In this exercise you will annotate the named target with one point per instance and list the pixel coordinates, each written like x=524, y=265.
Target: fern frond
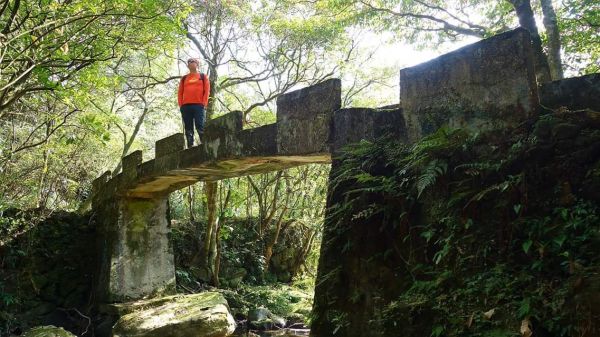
x=433, y=170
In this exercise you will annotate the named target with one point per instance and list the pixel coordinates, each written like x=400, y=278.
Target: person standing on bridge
x=192, y=97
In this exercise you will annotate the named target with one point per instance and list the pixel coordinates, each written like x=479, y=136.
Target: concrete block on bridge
x=221, y=135
x=132, y=160
x=484, y=85
x=355, y=124
x=574, y=93
x=304, y=118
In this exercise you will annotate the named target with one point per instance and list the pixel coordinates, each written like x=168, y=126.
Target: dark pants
x=192, y=114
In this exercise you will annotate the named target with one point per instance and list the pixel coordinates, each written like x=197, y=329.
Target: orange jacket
x=192, y=89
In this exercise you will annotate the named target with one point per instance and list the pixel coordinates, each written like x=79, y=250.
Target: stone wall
x=355, y=124
x=347, y=263
x=48, y=272
x=485, y=85
x=376, y=251
x=574, y=93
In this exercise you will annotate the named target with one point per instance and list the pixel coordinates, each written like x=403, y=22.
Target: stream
x=275, y=333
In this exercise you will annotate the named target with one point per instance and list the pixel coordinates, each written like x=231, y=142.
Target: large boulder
x=48, y=331
x=198, y=315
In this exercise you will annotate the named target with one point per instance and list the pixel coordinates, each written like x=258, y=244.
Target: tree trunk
x=527, y=21
x=306, y=247
x=554, y=45
x=190, y=197
x=209, y=253
x=223, y=207
x=268, y=252
x=40, y=198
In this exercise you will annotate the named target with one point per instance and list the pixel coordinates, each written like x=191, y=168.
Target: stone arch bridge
x=485, y=85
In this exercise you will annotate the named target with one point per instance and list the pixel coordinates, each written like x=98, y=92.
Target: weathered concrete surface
x=136, y=258
x=574, y=93
x=485, y=85
x=144, y=264
x=132, y=160
x=355, y=124
x=304, y=118
x=198, y=315
x=337, y=273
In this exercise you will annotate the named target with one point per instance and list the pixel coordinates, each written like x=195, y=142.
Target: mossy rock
x=198, y=315
x=264, y=319
x=48, y=331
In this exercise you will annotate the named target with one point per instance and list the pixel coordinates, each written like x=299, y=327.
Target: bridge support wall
x=137, y=258
x=487, y=85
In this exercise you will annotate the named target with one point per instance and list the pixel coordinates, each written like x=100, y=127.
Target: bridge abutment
x=142, y=263
x=136, y=256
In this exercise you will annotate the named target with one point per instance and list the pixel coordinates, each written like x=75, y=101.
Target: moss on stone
x=204, y=314
x=48, y=331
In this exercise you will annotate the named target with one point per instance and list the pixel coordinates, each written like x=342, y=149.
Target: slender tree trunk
x=40, y=199
x=190, y=197
x=554, y=45
x=268, y=253
x=209, y=249
x=527, y=21
x=217, y=262
x=213, y=252
x=217, y=265
x=306, y=247
x=127, y=145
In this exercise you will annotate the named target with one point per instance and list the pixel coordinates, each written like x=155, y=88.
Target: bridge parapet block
x=130, y=172
x=574, y=93
x=482, y=86
x=132, y=160
x=304, y=118
x=169, y=145
x=221, y=135
x=351, y=125
x=230, y=123
x=100, y=181
x=259, y=141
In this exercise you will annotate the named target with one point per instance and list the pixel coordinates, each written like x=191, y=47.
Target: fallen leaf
x=488, y=314
x=470, y=320
x=526, y=328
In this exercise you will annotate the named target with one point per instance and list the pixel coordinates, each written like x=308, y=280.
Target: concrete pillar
x=142, y=261
x=486, y=85
x=136, y=258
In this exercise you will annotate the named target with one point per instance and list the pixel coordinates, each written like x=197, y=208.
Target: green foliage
x=282, y=300
x=578, y=22
x=61, y=60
